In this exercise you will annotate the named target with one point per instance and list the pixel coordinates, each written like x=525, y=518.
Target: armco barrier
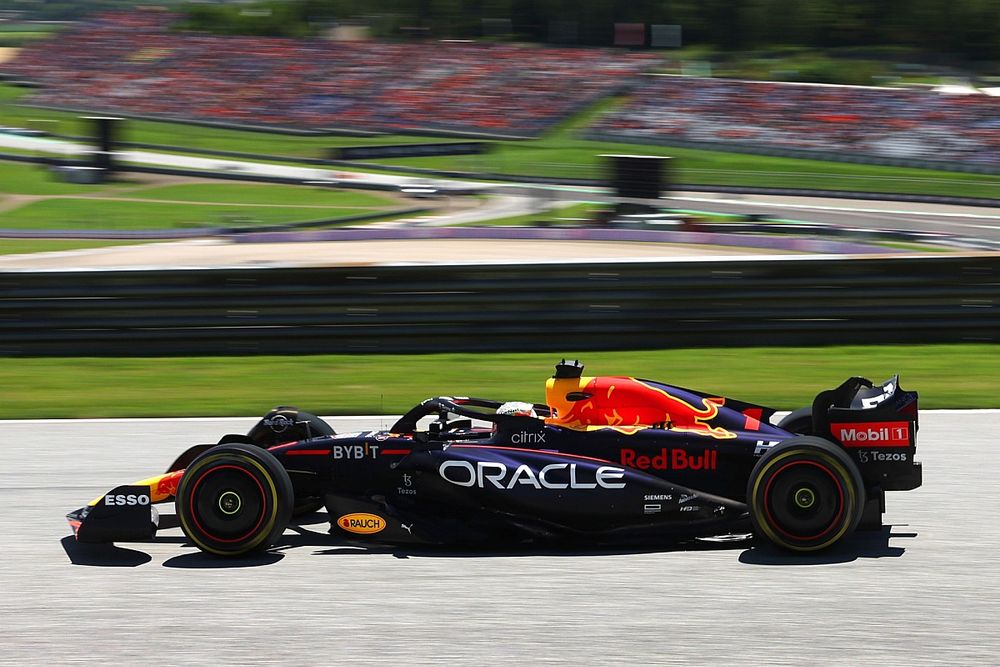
x=563, y=307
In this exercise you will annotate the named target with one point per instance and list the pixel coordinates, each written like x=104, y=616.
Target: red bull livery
x=606, y=461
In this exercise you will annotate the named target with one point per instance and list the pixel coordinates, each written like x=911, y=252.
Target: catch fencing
x=562, y=307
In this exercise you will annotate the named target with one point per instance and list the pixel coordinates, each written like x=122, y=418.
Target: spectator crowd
x=917, y=124
x=134, y=63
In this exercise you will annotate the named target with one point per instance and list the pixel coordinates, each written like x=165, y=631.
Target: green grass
x=32, y=179
x=947, y=376
x=25, y=246
x=67, y=206
x=8, y=95
x=573, y=157
x=41, y=28
x=272, y=195
x=107, y=214
x=15, y=39
x=561, y=152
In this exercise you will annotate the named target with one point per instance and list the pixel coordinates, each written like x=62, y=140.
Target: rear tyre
x=234, y=500
x=798, y=421
x=805, y=494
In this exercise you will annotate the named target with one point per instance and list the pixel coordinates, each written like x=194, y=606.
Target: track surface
x=924, y=591
x=966, y=221
x=980, y=222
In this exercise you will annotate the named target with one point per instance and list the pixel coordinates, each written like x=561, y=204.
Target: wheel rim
x=804, y=500
x=804, y=497
x=228, y=503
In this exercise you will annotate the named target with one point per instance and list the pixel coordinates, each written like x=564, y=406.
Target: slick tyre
x=234, y=500
x=805, y=494
x=798, y=421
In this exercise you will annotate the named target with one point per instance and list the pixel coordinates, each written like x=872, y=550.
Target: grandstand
x=915, y=124
x=133, y=63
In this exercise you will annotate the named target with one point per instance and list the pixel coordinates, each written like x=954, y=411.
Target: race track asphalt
x=923, y=591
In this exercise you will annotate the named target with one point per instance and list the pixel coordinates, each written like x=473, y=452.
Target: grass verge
x=90, y=214
x=947, y=376
x=31, y=199
x=264, y=194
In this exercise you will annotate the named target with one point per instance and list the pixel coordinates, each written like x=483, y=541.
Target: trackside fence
x=555, y=306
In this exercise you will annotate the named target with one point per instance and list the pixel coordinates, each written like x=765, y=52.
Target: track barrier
x=475, y=308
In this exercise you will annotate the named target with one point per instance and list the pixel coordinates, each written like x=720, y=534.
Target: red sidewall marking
x=767, y=504
x=260, y=519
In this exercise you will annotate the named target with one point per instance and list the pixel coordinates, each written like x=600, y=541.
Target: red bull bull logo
x=167, y=485
x=627, y=405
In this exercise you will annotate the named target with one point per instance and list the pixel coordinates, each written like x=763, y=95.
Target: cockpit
x=463, y=418
x=578, y=403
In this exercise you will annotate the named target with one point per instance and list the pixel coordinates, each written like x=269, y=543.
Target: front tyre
x=805, y=494
x=234, y=500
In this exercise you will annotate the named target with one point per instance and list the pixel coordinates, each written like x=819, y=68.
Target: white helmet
x=517, y=409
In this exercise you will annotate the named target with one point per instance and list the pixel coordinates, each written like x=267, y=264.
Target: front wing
x=126, y=513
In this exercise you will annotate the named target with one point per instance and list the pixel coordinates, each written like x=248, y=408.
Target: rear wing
x=877, y=425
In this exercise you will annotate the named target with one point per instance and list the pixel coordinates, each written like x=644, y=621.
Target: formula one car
x=606, y=461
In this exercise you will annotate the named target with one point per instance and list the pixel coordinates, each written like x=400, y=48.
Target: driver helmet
x=517, y=409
